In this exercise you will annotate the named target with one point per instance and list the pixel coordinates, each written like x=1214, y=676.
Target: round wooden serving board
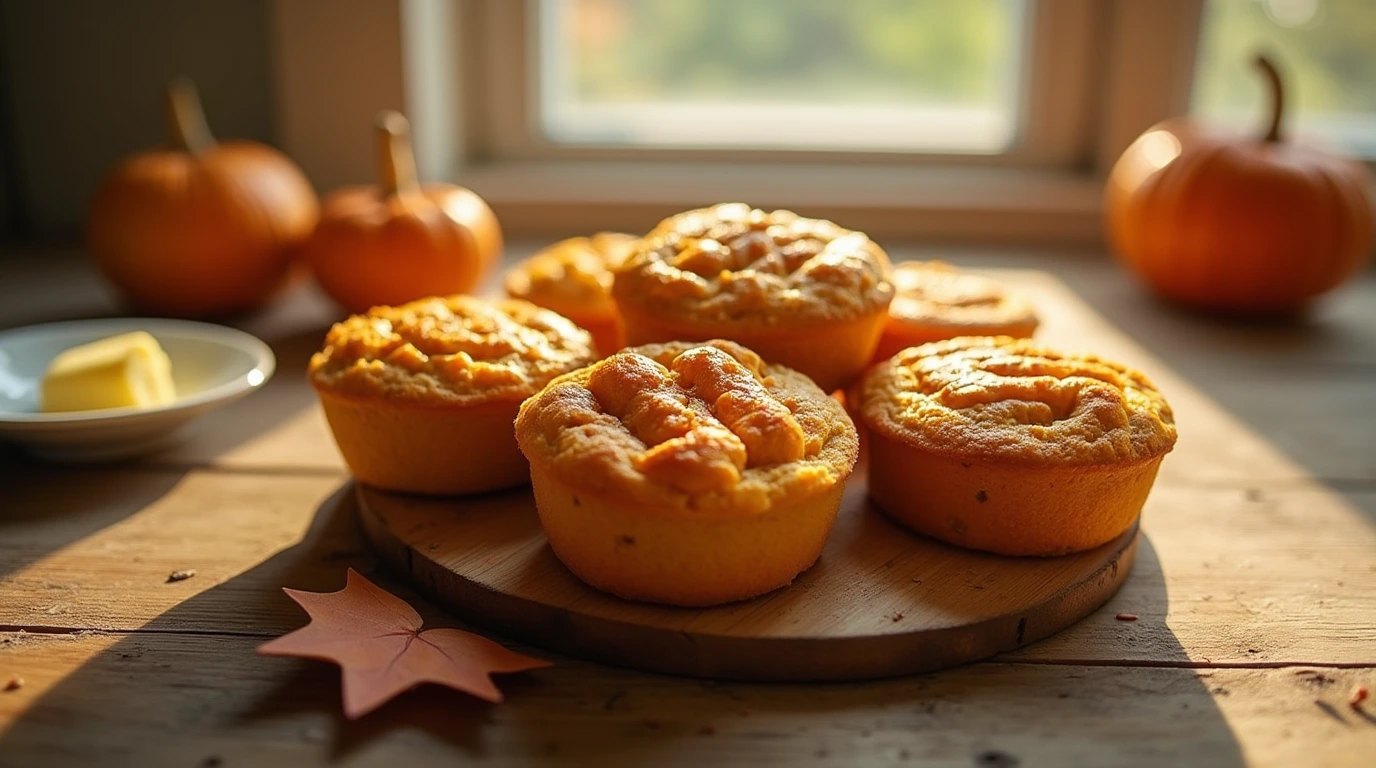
x=881, y=601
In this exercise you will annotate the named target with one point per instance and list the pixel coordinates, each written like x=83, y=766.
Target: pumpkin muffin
x=421, y=396
x=685, y=473
x=804, y=293
x=934, y=301
x=997, y=444
x=574, y=278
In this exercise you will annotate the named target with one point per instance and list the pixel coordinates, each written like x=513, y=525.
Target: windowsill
x=965, y=205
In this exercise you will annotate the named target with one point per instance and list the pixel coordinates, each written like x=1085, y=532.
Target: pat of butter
x=118, y=372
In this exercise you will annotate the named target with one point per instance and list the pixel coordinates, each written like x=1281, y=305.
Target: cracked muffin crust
x=731, y=264
x=801, y=292
x=420, y=397
x=934, y=301
x=1017, y=401
x=1004, y=445
x=574, y=278
x=687, y=473
x=449, y=350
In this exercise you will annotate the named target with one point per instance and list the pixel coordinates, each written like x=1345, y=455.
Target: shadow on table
x=282, y=400
x=65, y=504
x=1319, y=364
x=199, y=696
x=76, y=501
x=178, y=670
x=1303, y=383
x=998, y=713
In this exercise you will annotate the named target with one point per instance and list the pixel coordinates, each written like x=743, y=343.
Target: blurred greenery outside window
x=904, y=75
x=1327, y=53
x=873, y=74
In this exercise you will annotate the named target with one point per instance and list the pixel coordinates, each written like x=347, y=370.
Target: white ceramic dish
x=211, y=366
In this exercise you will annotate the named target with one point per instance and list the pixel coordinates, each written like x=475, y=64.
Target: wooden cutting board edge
x=555, y=623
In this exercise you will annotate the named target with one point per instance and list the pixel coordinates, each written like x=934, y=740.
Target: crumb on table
x=181, y=574
x=1359, y=695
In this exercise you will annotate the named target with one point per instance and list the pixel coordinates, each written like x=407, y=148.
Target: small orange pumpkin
x=204, y=228
x=1238, y=224
x=402, y=241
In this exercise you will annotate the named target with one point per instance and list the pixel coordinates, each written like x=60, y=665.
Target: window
x=957, y=119
x=973, y=82
x=864, y=74
x=1327, y=52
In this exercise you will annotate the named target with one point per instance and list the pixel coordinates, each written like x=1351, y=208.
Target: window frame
x=1110, y=71
x=1055, y=102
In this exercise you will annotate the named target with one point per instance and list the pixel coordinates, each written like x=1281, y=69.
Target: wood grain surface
x=1254, y=587
x=195, y=700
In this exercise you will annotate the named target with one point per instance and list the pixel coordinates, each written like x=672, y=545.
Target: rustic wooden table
x=1255, y=586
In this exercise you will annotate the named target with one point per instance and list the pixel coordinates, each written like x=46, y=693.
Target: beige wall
x=337, y=64
x=82, y=80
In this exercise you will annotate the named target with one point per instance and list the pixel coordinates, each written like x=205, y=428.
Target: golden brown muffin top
x=731, y=265
x=936, y=294
x=572, y=277
x=696, y=427
x=1011, y=400
x=457, y=350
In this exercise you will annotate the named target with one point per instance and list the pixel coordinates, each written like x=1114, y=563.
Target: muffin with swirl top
x=1003, y=445
x=804, y=293
x=421, y=397
x=687, y=473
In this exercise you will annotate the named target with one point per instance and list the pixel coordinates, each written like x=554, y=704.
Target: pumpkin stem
x=1268, y=69
x=397, y=160
x=186, y=119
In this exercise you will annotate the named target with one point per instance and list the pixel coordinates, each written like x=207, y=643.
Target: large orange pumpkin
x=1238, y=224
x=203, y=228
x=403, y=240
